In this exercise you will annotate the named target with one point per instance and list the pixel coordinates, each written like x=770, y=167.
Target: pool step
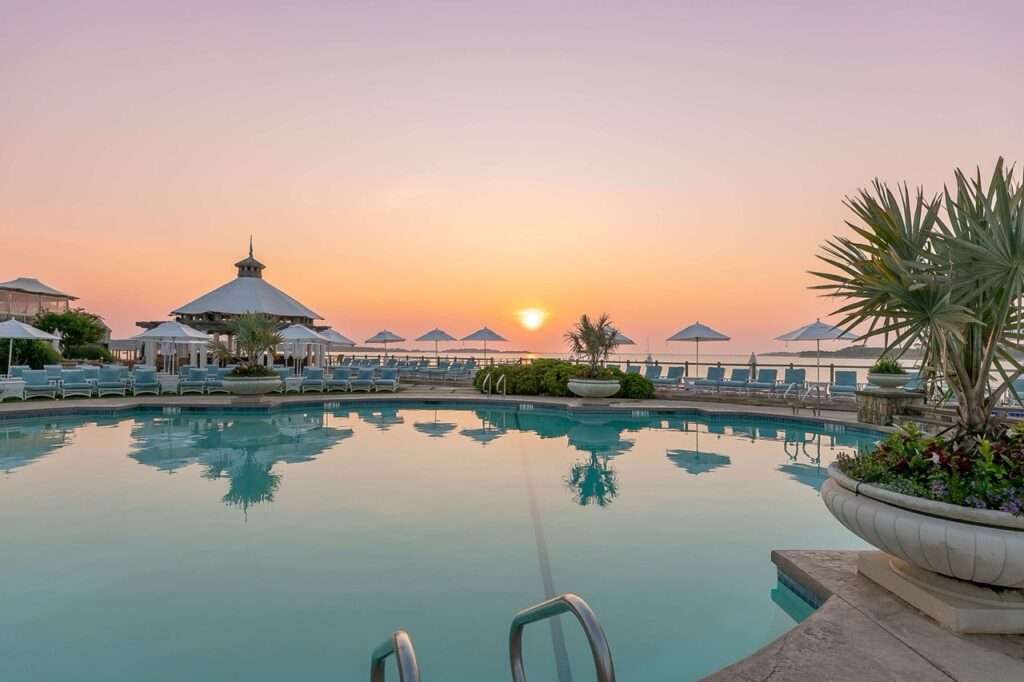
x=399, y=644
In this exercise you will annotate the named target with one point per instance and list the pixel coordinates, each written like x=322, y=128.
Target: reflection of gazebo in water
x=243, y=448
x=22, y=444
x=694, y=461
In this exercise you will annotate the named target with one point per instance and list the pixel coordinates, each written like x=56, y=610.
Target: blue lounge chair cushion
x=739, y=378
x=715, y=376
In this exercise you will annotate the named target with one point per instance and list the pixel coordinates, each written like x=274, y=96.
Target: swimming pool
x=206, y=545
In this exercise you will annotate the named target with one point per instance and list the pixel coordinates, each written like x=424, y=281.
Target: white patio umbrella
x=337, y=338
x=484, y=334
x=623, y=340
x=818, y=331
x=12, y=329
x=384, y=336
x=169, y=334
x=698, y=332
x=437, y=335
x=301, y=335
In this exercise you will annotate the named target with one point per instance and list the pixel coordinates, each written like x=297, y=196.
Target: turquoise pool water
x=286, y=545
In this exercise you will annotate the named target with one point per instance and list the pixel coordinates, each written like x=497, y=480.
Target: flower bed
x=989, y=476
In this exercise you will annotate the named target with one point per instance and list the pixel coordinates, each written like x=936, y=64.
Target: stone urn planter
x=978, y=545
x=251, y=385
x=889, y=381
x=594, y=388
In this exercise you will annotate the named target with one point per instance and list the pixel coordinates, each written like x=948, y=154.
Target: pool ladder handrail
x=400, y=645
x=564, y=603
x=500, y=385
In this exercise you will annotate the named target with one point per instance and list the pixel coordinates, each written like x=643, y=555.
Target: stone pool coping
x=860, y=631
x=418, y=396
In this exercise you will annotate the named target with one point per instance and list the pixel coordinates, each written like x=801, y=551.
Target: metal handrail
x=565, y=603
x=501, y=384
x=485, y=387
x=399, y=644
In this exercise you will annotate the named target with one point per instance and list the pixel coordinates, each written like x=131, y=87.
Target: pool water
x=285, y=545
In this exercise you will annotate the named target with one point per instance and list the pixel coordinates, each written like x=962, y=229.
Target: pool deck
x=862, y=632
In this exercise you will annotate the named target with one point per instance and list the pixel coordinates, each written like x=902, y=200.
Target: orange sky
x=406, y=168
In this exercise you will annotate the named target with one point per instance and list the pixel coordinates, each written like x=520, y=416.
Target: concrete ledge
x=862, y=632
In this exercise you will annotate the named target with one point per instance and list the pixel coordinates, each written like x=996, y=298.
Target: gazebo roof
x=247, y=293
x=31, y=285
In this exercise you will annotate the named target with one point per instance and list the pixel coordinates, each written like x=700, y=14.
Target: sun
x=532, y=318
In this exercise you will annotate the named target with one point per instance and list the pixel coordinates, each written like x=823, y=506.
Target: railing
x=399, y=644
x=501, y=384
x=566, y=603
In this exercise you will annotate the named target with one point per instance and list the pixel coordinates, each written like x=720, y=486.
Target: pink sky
x=419, y=164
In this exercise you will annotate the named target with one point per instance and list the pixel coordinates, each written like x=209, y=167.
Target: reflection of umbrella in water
x=434, y=428
x=696, y=462
x=23, y=444
x=598, y=439
x=489, y=428
x=809, y=474
x=383, y=418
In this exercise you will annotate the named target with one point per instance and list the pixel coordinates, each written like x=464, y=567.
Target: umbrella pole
x=10, y=356
x=817, y=355
x=696, y=368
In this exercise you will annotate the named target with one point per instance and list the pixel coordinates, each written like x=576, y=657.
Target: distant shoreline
x=850, y=353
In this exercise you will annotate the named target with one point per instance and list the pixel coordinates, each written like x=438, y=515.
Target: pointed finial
x=250, y=246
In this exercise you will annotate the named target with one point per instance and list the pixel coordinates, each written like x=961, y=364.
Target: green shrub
x=35, y=354
x=77, y=327
x=887, y=365
x=89, y=351
x=250, y=371
x=551, y=377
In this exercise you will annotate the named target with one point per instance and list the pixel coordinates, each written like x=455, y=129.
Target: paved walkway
x=861, y=633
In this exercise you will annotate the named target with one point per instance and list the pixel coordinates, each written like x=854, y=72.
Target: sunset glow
x=433, y=165
x=532, y=318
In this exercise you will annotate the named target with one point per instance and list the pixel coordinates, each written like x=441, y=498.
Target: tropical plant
x=88, y=351
x=76, y=327
x=887, y=365
x=35, y=354
x=254, y=335
x=945, y=273
x=593, y=340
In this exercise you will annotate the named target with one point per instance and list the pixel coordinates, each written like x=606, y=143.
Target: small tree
x=255, y=335
x=77, y=327
x=594, y=340
x=945, y=273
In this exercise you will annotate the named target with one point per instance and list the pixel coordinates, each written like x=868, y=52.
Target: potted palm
x=946, y=273
x=888, y=373
x=254, y=335
x=593, y=340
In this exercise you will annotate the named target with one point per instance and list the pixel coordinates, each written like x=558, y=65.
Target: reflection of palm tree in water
x=592, y=481
x=251, y=480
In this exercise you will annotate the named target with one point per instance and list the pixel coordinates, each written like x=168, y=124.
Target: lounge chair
x=652, y=372
x=215, y=380
x=54, y=372
x=845, y=384
x=37, y=384
x=612, y=365
x=145, y=381
x=715, y=377
x=439, y=371
x=795, y=382
x=767, y=380
x=388, y=380
x=110, y=382
x=283, y=373
x=74, y=382
x=313, y=380
x=92, y=373
x=16, y=371
x=632, y=369
x=363, y=381
x=193, y=381
x=673, y=378
x=739, y=379
x=455, y=372
x=339, y=381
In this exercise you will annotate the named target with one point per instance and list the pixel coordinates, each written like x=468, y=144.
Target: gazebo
x=247, y=293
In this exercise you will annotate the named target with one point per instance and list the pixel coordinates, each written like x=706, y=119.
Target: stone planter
x=978, y=545
x=889, y=381
x=594, y=388
x=251, y=385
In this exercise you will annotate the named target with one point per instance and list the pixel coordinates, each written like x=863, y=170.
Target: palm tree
x=254, y=335
x=944, y=272
x=593, y=339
